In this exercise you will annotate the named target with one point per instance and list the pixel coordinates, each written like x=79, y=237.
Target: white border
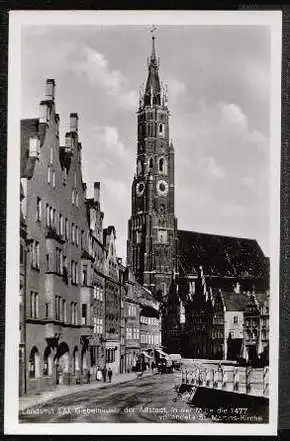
x=21, y=18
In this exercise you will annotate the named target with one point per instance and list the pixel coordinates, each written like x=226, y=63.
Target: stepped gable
x=221, y=256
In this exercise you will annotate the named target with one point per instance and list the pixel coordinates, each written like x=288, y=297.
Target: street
x=145, y=400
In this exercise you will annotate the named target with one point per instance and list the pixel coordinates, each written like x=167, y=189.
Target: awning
x=146, y=355
x=162, y=353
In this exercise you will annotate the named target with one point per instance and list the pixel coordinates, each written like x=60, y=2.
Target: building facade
x=112, y=302
x=65, y=269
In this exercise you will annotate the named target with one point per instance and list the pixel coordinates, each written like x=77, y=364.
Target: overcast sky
x=219, y=83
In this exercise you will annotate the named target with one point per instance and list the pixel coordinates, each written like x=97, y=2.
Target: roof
x=220, y=255
x=235, y=301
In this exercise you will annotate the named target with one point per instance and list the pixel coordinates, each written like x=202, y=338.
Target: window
x=50, y=216
x=34, y=305
x=85, y=275
x=35, y=254
x=59, y=261
x=47, y=216
x=60, y=224
x=129, y=333
x=47, y=262
x=161, y=165
x=235, y=319
x=77, y=199
x=139, y=167
x=73, y=233
x=138, y=236
x=75, y=314
x=150, y=163
x=66, y=229
x=82, y=239
x=74, y=272
x=57, y=307
x=53, y=179
x=161, y=129
x=84, y=313
x=38, y=209
x=99, y=326
x=72, y=312
x=54, y=218
x=48, y=174
x=77, y=236
x=73, y=197
x=47, y=310
x=51, y=155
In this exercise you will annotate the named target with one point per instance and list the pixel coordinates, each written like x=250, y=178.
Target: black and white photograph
x=143, y=222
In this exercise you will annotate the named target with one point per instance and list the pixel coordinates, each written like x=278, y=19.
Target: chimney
x=49, y=89
x=96, y=192
x=74, y=122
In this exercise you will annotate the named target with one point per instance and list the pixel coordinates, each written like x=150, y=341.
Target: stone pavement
x=62, y=390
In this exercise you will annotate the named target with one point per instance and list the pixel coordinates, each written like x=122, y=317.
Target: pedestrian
x=104, y=374
x=88, y=376
x=110, y=373
x=99, y=374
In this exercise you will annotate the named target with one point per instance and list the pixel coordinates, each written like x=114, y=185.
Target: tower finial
x=153, y=53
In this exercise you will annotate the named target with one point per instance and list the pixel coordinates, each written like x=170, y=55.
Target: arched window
x=139, y=167
x=47, y=362
x=34, y=363
x=162, y=167
x=150, y=164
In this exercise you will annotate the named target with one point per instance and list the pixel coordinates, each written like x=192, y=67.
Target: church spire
x=152, y=95
x=153, y=59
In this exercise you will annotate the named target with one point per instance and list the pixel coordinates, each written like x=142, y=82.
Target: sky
x=218, y=81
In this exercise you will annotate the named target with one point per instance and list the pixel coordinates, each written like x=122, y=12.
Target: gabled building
x=65, y=254
x=112, y=301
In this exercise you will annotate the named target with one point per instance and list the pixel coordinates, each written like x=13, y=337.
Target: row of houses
x=224, y=323
x=80, y=307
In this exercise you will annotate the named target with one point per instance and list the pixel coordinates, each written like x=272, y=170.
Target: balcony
x=51, y=233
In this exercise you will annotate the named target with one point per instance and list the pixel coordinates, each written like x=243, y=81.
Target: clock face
x=140, y=188
x=162, y=188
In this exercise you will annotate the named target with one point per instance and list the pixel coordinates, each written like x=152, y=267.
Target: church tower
x=152, y=230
